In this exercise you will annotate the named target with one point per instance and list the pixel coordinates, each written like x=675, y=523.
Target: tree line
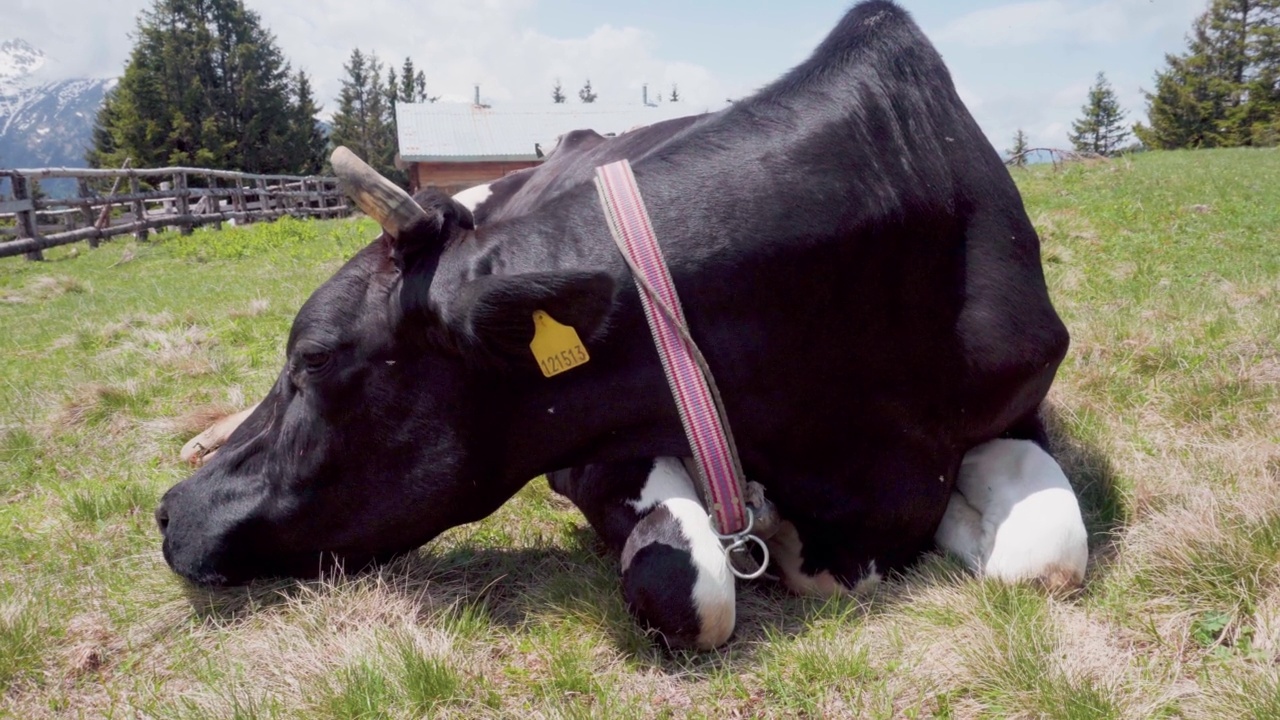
x=207, y=85
x=1223, y=91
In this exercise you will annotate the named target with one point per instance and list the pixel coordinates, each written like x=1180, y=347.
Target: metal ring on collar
x=741, y=545
x=738, y=542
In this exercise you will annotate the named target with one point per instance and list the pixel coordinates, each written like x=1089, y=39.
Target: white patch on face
x=473, y=196
x=668, y=479
x=1030, y=525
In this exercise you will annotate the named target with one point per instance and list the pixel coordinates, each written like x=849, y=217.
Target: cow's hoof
x=676, y=580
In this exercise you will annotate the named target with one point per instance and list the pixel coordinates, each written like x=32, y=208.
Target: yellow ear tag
x=556, y=347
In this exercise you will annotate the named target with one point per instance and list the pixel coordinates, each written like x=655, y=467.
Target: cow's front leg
x=882, y=520
x=675, y=577
x=1014, y=517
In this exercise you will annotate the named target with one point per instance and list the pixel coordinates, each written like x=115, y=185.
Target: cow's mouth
x=220, y=571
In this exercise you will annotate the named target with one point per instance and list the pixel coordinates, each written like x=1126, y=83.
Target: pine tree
x=1017, y=153
x=103, y=149
x=364, y=121
x=1101, y=130
x=675, y=93
x=392, y=94
x=1225, y=90
x=420, y=86
x=586, y=95
x=308, y=143
x=557, y=93
x=205, y=85
x=408, y=93
x=413, y=85
x=1184, y=111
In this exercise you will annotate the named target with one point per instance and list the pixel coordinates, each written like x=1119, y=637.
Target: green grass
x=428, y=682
x=1166, y=268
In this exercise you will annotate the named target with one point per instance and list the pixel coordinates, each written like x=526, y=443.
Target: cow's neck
x=618, y=406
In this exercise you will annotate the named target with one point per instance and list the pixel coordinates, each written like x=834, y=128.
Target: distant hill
x=44, y=122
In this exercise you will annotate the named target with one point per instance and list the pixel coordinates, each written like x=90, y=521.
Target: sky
x=1016, y=64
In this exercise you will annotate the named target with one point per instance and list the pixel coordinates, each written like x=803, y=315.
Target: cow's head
x=388, y=422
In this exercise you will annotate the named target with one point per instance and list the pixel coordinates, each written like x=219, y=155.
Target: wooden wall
x=452, y=177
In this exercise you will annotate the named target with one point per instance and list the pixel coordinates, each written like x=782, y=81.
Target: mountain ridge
x=45, y=122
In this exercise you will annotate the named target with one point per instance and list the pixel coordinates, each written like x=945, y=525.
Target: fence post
x=26, y=218
x=264, y=200
x=310, y=199
x=212, y=201
x=238, y=198
x=184, y=207
x=82, y=187
x=139, y=209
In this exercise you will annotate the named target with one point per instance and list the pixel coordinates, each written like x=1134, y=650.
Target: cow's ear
x=494, y=313
x=418, y=247
x=416, y=251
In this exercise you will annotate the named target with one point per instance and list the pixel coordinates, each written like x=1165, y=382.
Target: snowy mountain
x=44, y=121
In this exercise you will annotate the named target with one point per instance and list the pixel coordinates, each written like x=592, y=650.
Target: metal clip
x=737, y=546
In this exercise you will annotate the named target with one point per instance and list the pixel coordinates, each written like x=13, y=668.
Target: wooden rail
x=176, y=197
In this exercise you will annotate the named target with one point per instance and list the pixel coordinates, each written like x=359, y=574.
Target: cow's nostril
x=162, y=518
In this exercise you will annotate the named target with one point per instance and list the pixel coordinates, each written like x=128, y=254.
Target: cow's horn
x=377, y=196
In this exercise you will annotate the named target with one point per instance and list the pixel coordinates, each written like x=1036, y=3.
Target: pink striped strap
x=691, y=383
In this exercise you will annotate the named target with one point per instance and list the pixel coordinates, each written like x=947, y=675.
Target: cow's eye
x=316, y=360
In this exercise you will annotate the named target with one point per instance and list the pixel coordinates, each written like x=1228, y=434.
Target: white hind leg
x=1014, y=517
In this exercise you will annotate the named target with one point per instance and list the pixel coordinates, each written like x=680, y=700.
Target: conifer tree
x=1101, y=130
x=408, y=91
x=413, y=85
x=1225, y=89
x=205, y=85
x=557, y=93
x=675, y=93
x=392, y=92
x=1017, y=153
x=308, y=142
x=586, y=94
x=420, y=88
x=364, y=120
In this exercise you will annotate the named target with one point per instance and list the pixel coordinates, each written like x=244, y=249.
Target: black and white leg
x=1014, y=517
x=675, y=577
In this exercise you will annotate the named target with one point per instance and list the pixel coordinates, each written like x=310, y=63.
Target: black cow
x=853, y=259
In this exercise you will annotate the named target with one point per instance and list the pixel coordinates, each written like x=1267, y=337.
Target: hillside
x=1166, y=416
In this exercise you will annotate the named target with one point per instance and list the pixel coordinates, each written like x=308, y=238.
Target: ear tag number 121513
x=556, y=347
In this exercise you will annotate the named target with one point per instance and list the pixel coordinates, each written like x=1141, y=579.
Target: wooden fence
x=177, y=197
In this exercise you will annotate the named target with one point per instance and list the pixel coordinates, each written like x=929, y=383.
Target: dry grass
x=45, y=288
x=1166, y=417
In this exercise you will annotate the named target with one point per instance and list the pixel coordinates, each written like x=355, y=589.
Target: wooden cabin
x=454, y=146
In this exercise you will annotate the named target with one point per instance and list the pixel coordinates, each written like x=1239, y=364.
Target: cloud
x=487, y=42
x=1058, y=22
x=81, y=38
x=457, y=45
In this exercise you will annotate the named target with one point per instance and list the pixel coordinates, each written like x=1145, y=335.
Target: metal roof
x=463, y=132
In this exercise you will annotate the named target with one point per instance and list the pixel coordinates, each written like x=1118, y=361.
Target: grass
x=1166, y=412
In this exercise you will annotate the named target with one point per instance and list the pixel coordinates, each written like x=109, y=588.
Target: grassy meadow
x=1166, y=268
